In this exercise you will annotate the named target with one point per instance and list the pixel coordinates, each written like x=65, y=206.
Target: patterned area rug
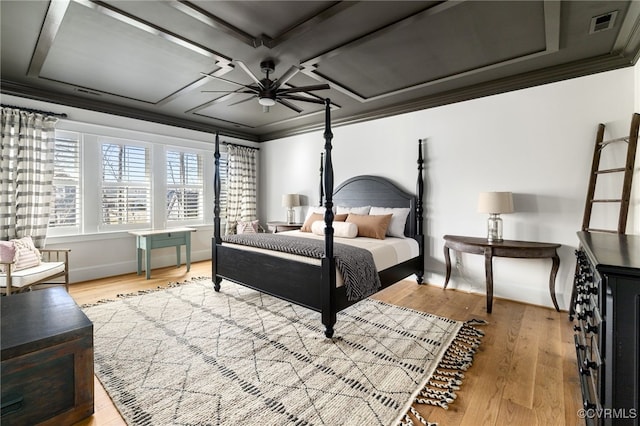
x=189, y=355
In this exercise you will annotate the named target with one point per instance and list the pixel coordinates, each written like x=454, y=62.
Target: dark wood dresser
x=607, y=330
x=46, y=346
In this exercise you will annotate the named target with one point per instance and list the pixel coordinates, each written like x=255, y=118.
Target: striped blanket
x=355, y=264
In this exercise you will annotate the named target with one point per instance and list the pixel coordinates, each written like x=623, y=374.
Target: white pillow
x=398, y=220
x=340, y=229
x=355, y=210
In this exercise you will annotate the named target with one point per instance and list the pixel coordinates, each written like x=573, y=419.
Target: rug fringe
x=406, y=421
x=447, y=377
x=171, y=284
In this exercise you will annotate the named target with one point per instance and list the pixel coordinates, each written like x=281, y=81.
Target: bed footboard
x=269, y=274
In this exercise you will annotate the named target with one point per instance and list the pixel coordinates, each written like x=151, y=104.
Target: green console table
x=160, y=238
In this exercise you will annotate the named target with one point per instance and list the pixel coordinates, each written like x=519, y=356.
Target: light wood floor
x=524, y=373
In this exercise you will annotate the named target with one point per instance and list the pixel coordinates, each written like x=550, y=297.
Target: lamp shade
x=290, y=200
x=495, y=202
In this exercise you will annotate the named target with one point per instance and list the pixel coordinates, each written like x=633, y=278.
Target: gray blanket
x=355, y=264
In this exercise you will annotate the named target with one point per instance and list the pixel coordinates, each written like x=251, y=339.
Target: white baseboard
x=95, y=272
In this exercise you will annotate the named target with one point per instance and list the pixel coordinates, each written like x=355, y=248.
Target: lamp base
x=291, y=216
x=494, y=228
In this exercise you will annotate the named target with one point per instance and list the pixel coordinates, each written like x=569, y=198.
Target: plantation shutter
x=126, y=185
x=66, y=201
x=184, y=186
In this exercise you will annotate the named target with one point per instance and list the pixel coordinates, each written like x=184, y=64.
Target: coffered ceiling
x=146, y=59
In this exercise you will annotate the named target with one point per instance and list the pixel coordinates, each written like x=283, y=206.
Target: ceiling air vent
x=602, y=22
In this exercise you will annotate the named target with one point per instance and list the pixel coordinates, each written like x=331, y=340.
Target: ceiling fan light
x=267, y=102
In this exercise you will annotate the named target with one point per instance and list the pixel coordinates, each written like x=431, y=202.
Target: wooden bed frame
x=314, y=286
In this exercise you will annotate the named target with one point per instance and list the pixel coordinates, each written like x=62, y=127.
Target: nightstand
x=283, y=226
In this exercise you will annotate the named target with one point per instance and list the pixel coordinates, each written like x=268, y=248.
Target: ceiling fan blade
x=287, y=76
x=227, y=81
x=243, y=101
x=251, y=74
x=252, y=92
x=223, y=98
x=305, y=88
x=289, y=105
x=302, y=99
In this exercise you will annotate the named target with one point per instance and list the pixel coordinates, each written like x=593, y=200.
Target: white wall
x=537, y=143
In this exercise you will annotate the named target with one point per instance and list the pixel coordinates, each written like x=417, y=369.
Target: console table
x=149, y=240
x=505, y=248
x=46, y=372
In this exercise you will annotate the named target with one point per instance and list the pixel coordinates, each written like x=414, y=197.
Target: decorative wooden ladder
x=627, y=170
x=632, y=141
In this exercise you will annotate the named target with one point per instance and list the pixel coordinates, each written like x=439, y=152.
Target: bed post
x=328, y=261
x=321, y=176
x=217, y=238
x=419, y=232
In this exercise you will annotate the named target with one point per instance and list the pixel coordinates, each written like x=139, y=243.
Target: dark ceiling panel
x=264, y=18
x=23, y=34
x=145, y=59
x=447, y=42
x=95, y=51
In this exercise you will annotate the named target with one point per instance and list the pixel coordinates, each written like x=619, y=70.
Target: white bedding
x=386, y=253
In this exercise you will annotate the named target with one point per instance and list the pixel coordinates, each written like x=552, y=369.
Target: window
x=113, y=180
x=184, y=186
x=66, y=200
x=126, y=184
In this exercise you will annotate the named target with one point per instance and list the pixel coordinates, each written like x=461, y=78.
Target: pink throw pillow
x=7, y=253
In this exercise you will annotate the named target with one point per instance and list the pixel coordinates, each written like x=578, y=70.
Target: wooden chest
x=46, y=345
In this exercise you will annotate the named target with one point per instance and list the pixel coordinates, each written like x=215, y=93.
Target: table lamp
x=290, y=201
x=495, y=203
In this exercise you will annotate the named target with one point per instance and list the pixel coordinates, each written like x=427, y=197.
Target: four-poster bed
x=314, y=285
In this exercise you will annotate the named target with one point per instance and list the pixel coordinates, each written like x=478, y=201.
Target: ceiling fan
x=269, y=92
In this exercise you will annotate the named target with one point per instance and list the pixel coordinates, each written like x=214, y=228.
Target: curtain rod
x=242, y=146
x=37, y=111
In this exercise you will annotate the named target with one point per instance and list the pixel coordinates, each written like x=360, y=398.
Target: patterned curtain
x=26, y=173
x=241, y=186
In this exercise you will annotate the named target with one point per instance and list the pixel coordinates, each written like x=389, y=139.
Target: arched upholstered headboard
x=377, y=191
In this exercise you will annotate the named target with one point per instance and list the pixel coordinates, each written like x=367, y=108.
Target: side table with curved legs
x=505, y=248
